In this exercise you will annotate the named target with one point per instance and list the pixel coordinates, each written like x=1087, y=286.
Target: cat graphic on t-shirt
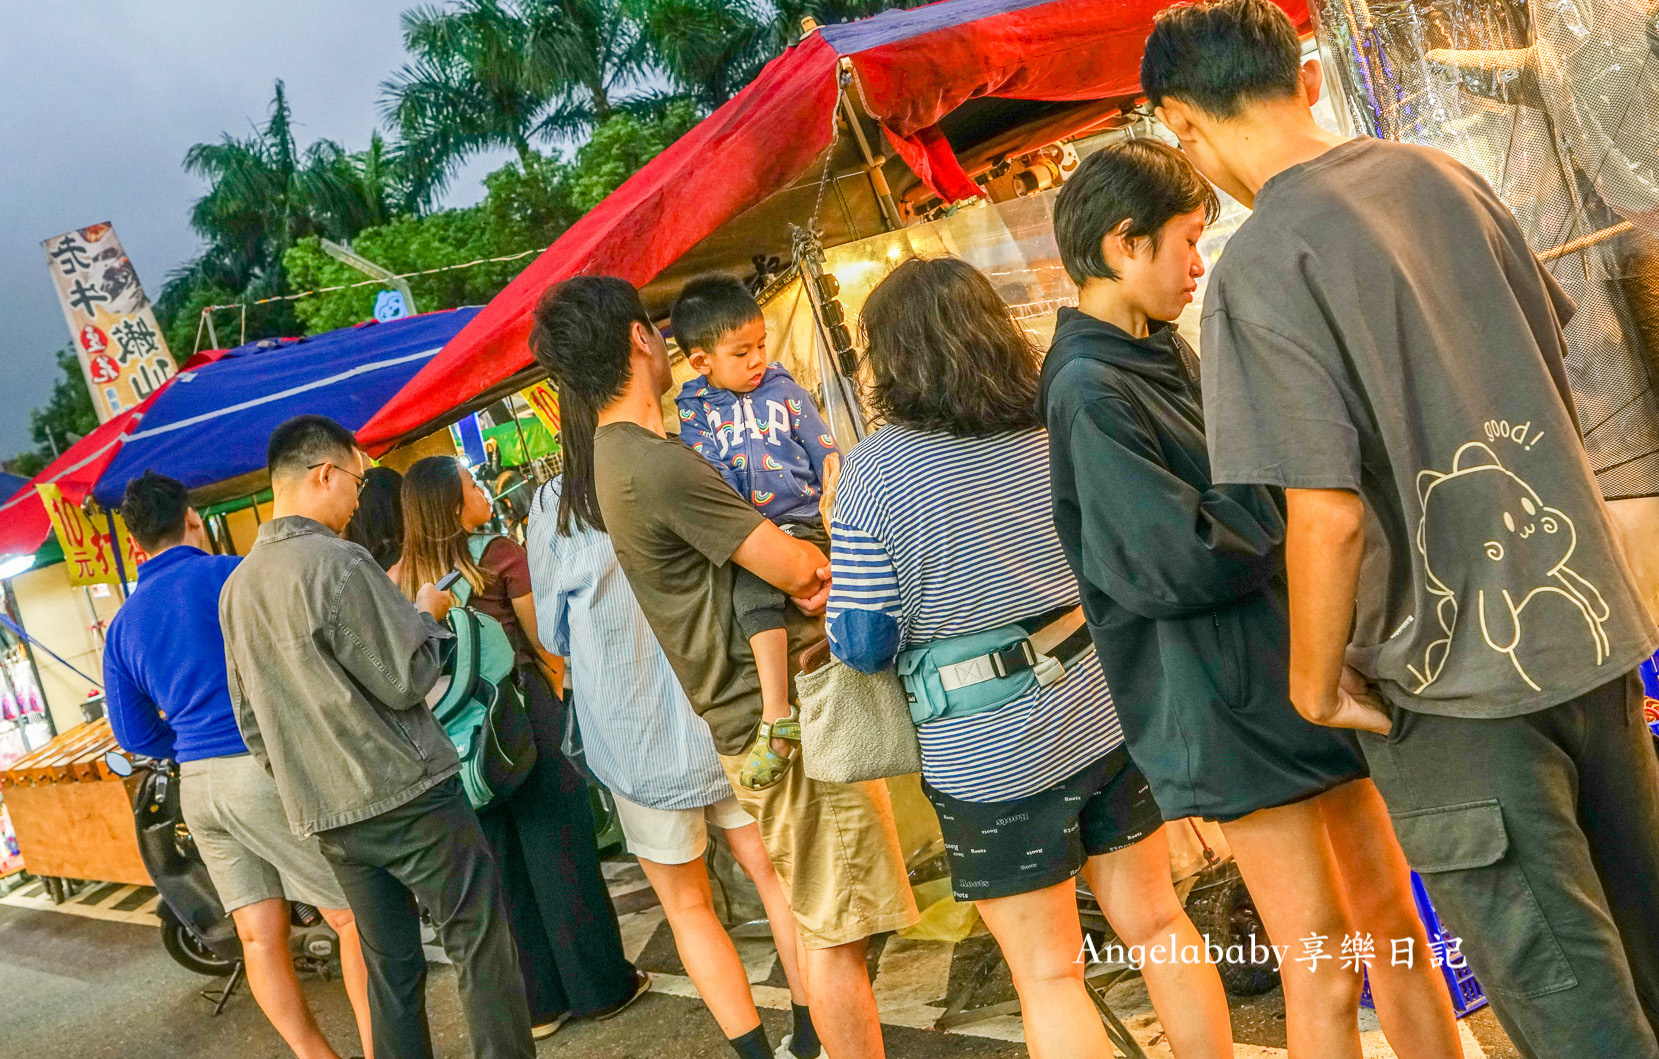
x=1511, y=552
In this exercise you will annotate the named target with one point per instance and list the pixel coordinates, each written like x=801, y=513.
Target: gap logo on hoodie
x=769, y=444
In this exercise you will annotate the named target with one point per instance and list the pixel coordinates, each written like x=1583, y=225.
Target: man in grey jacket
x=329, y=669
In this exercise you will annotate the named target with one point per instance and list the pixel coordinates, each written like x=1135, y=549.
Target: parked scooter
x=196, y=930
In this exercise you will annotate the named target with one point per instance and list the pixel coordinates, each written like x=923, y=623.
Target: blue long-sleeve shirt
x=165, y=654
x=769, y=444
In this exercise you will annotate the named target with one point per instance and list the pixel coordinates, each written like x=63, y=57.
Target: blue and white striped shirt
x=936, y=536
x=642, y=738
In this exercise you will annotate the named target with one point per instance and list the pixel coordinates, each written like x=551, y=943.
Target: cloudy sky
x=101, y=100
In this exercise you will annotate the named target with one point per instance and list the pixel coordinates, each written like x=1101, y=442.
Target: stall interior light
x=12, y=565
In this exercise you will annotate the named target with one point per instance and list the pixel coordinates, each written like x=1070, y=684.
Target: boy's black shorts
x=759, y=606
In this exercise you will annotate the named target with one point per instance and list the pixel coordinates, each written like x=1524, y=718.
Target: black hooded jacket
x=1182, y=580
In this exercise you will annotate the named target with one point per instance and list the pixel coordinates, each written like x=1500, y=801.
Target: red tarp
x=913, y=67
x=24, y=524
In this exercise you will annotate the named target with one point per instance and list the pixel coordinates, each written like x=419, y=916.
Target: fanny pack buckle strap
x=1014, y=658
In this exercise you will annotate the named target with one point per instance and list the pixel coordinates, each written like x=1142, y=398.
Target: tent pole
x=16, y=616
x=872, y=161
x=115, y=549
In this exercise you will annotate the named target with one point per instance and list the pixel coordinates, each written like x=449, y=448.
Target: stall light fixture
x=13, y=565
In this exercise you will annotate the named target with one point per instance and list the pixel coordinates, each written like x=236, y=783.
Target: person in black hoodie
x=1183, y=587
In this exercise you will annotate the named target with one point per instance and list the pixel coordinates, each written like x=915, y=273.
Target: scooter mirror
x=118, y=763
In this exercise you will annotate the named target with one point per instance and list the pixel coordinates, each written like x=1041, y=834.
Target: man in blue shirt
x=164, y=678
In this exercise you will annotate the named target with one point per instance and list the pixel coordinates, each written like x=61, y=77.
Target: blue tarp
x=212, y=424
x=9, y=484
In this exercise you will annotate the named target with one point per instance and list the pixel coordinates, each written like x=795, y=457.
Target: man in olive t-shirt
x=1380, y=341
x=683, y=523
x=680, y=533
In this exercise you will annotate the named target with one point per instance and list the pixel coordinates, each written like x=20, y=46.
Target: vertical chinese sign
x=88, y=551
x=122, y=351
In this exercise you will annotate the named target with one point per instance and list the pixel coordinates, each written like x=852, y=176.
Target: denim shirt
x=329, y=666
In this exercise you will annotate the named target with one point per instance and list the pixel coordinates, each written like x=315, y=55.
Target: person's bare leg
x=1412, y=1002
x=1290, y=869
x=354, y=974
x=263, y=928
x=1135, y=892
x=711, y=960
x=1042, y=941
x=750, y=854
x=771, y=651
x=843, y=1003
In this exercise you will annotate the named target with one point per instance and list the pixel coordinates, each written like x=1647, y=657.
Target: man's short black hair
x=305, y=441
x=153, y=508
x=1145, y=182
x=709, y=308
x=1221, y=55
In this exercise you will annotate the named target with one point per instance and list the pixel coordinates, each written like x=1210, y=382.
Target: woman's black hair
x=946, y=354
x=378, y=523
x=582, y=338
x=1145, y=182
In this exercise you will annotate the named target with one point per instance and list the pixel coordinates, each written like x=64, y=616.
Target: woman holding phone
x=570, y=949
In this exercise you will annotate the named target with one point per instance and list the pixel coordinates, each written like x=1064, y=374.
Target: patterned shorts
x=999, y=849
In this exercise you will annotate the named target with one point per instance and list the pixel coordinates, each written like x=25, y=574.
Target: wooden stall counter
x=73, y=816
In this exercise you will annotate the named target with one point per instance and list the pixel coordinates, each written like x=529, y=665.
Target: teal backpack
x=483, y=709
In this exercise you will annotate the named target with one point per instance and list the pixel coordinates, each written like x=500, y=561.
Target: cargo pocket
x=1463, y=851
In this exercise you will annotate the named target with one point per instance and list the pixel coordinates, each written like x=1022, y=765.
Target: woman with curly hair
x=941, y=533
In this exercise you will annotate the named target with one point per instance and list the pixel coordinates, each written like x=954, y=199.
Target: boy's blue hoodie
x=769, y=444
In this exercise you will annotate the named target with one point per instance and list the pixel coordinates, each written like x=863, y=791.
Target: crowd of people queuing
x=1286, y=582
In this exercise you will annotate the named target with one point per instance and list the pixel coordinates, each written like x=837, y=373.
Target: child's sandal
x=765, y=767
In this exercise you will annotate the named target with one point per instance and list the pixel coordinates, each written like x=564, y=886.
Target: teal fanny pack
x=964, y=675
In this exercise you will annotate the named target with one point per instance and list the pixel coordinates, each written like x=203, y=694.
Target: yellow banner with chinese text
x=544, y=400
x=87, y=548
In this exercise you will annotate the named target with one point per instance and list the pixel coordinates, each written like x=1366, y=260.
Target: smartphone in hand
x=448, y=580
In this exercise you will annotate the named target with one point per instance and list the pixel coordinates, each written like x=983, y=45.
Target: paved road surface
x=91, y=982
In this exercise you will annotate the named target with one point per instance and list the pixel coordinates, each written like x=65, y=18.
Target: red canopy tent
x=24, y=525
x=954, y=86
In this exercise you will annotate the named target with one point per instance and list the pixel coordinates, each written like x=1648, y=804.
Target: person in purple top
x=164, y=679
x=762, y=430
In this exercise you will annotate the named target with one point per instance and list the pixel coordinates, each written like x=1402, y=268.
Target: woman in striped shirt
x=941, y=528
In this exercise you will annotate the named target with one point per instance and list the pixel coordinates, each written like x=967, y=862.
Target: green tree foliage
x=488, y=74
x=65, y=418
x=528, y=205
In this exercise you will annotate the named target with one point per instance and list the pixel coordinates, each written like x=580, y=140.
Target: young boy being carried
x=763, y=431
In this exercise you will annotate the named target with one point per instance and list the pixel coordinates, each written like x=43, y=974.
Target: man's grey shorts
x=233, y=811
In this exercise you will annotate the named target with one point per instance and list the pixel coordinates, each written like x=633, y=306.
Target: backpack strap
x=477, y=544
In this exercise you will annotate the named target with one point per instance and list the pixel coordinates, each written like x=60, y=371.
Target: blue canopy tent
x=209, y=428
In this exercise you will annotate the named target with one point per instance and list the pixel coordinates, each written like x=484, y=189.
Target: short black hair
x=709, y=308
x=582, y=338
x=1220, y=55
x=1144, y=182
x=304, y=441
x=153, y=508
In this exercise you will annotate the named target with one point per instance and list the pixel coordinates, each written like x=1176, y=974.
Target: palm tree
x=708, y=48
x=490, y=74
x=265, y=193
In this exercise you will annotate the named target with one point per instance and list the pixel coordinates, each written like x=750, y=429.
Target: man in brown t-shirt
x=680, y=534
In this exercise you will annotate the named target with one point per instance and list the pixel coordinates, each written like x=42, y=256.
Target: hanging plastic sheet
x=1556, y=104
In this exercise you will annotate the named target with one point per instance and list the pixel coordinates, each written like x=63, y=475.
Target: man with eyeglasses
x=329, y=667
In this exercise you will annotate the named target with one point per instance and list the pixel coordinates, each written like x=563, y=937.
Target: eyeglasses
x=361, y=481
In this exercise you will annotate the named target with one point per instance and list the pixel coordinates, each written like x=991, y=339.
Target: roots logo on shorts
x=761, y=499
x=770, y=463
x=740, y=461
x=827, y=440
x=795, y=405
